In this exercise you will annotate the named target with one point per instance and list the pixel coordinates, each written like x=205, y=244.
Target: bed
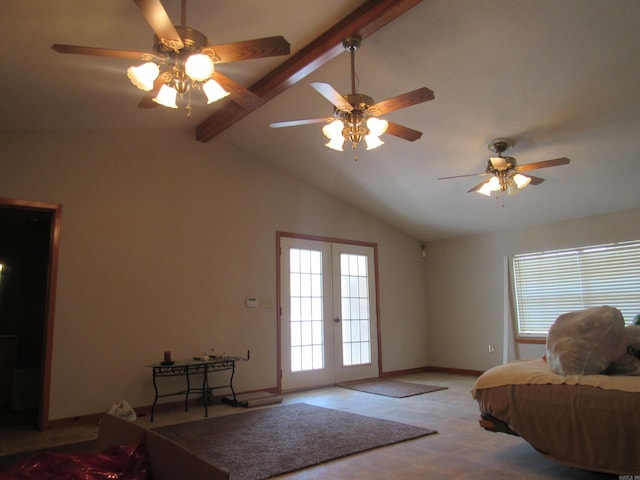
x=590, y=422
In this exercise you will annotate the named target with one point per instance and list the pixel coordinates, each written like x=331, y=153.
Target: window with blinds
x=548, y=284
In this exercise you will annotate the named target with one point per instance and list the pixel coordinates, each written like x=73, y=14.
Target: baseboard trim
x=90, y=419
x=454, y=371
x=399, y=373
x=141, y=412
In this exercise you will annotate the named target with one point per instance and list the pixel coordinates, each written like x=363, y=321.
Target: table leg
x=205, y=390
x=155, y=400
x=186, y=398
x=233, y=372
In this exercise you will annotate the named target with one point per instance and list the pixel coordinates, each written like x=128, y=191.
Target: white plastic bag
x=586, y=342
x=123, y=410
x=629, y=364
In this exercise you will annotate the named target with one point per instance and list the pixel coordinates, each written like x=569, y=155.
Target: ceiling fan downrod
x=351, y=44
x=183, y=14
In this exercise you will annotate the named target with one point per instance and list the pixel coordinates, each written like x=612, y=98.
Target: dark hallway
x=25, y=244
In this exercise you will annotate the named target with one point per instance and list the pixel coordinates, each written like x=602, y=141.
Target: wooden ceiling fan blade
x=157, y=17
x=250, y=49
x=544, y=164
x=296, y=123
x=467, y=175
x=101, y=52
x=328, y=92
x=403, y=132
x=535, y=180
x=147, y=101
x=239, y=94
x=402, y=101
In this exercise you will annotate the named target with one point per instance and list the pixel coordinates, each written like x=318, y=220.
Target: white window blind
x=548, y=284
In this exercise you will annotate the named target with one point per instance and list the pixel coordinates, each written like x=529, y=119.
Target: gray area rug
x=263, y=443
x=391, y=388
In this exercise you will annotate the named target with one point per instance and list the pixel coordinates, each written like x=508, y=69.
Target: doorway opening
x=29, y=236
x=328, y=328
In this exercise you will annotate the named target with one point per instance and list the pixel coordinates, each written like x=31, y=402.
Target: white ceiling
x=559, y=77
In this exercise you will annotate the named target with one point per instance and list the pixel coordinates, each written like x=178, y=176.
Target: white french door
x=328, y=313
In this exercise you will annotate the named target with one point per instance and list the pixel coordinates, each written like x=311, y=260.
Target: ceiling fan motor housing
x=193, y=40
x=359, y=101
x=510, y=164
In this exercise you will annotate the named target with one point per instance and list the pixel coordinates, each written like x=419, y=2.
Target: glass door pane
x=356, y=322
x=306, y=300
x=354, y=297
x=306, y=321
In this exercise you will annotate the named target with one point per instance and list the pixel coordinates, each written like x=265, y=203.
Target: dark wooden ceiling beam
x=365, y=20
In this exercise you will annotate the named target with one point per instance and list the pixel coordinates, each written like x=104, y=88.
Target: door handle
x=337, y=320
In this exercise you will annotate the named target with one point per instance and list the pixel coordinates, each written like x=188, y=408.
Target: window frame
x=593, y=264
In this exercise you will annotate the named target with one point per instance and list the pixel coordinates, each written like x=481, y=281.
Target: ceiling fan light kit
x=355, y=116
x=505, y=174
x=183, y=61
x=354, y=129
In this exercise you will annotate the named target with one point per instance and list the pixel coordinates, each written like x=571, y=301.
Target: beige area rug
x=391, y=388
x=258, y=444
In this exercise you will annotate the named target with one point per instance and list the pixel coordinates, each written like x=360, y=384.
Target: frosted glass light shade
x=335, y=144
x=333, y=131
x=213, y=91
x=167, y=97
x=492, y=185
x=377, y=126
x=373, y=141
x=144, y=75
x=199, y=67
x=521, y=180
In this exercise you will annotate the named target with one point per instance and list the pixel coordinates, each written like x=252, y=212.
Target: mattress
x=585, y=421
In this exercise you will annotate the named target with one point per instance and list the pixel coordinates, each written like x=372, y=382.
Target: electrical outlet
x=492, y=349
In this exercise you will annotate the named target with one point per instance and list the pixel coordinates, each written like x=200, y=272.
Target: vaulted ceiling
x=560, y=78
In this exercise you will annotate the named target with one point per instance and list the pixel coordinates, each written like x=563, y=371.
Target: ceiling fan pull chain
x=189, y=104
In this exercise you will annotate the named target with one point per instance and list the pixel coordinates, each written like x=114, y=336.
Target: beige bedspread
x=537, y=372
x=590, y=422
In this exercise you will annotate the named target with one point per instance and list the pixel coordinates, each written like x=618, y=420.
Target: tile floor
x=461, y=449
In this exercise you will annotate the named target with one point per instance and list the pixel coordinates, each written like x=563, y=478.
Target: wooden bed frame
x=591, y=422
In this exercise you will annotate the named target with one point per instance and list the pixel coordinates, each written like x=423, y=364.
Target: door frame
x=279, y=235
x=47, y=347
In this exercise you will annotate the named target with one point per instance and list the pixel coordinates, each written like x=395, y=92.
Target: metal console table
x=189, y=369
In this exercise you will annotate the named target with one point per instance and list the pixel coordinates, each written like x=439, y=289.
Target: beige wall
x=164, y=237
x=162, y=240
x=466, y=286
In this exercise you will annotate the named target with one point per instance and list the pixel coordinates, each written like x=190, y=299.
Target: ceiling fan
x=182, y=60
x=355, y=114
x=505, y=174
